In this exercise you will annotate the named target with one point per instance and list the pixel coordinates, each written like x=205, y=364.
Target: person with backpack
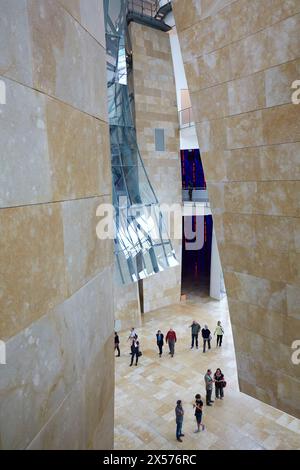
x=220, y=332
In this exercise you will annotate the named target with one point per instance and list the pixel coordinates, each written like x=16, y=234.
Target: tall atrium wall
x=240, y=59
x=56, y=312
x=155, y=108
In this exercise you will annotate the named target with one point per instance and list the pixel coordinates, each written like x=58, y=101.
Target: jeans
x=208, y=396
x=178, y=429
x=136, y=354
x=171, y=347
x=204, y=344
x=118, y=349
x=194, y=338
x=219, y=340
x=160, y=346
x=219, y=392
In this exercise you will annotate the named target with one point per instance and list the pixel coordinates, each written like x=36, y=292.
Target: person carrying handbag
x=220, y=384
x=135, y=352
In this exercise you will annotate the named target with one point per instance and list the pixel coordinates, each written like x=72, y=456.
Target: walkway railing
x=186, y=118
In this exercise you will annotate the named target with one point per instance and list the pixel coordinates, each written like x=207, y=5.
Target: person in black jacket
x=135, y=350
x=206, y=335
x=160, y=341
x=117, y=343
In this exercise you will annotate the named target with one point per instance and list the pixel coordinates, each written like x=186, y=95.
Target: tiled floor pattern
x=146, y=395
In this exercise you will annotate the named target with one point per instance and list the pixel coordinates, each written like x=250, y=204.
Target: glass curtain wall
x=142, y=245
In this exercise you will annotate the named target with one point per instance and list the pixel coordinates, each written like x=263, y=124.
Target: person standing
x=209, y=387
x=198, y=405
x=135, y=351
x=219, y=330
x=160, y=342
x=132, y=334
x=117, y=344
x=179, y=413
x=206, y=335
x=219, y=384
x=195, y=328
x=171, y=340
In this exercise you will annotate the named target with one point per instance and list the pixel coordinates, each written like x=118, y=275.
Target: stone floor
x=146, y=395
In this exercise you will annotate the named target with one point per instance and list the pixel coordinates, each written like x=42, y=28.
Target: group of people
x=219, y=381
x=171, y=340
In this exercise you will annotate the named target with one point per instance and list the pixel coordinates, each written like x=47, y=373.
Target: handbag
x=140, y=353
x=224, y=383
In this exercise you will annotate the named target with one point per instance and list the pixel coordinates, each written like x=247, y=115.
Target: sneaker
x=212, y=401
x=203, y=427
x=179, y=440
x=208, y=404
x=197, y=430
x=181, y=435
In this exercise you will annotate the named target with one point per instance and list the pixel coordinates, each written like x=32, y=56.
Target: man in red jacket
x=171, y=340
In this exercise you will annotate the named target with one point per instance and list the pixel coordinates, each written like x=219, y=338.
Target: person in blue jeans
x=179, y=420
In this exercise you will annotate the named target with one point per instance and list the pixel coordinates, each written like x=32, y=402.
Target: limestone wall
x=155, y=108
x=56, y=312
x=241, y=58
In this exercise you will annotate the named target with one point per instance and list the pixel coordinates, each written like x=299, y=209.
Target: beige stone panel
x=68, y=63
x=126, y=306
x=211, y=103
x=32, y=261
x=24, y=161
x=272, y=264
x=79, y=152
x=240, y=197
x=236, y=257
x=239, y=229
x=268, y=12
x=293, y=301
x=269, y=323
x=243, y=164
x=283, y=41
x=197, y=40
x=186, y=17
x=254, y=290
x=104, y=434
x=208, y=70
x=212, y=7
x=98, y=390
x=296, y=234
x=278, y=81
x=275, y=198
x=246, y=94
x=245, y=130
x=274, y=233
x=216, y=196
x=214, y=164
x=272, y=46
x=72, y=7
x=289, y=387
x=294, y=261
x=279, y=162
x=281, y=124
x=211, y=135
x=248, y=55
x=15, y=47
x=85, y=254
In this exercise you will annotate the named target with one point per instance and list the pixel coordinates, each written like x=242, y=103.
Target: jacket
x=205, y=333
x=195, y=328
x=171, y=336
x=161, y=340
